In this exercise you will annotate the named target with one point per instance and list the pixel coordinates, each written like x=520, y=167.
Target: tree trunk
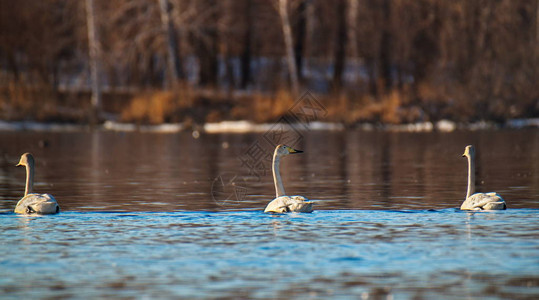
x=340, y=46
x=12, y=65
x=207, y=54
x=385, y=47
x=310, y=16
x=300, y=37
x=537, y=24
x=247, y=46
x=227, y=22
x=93, y=46
x=352, y=20
x=290, y=57
x=207, y=45
x=174, y=60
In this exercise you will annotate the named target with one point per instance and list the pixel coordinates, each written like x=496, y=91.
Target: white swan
x=283, y=203
x=479, y=201
x=34, y=203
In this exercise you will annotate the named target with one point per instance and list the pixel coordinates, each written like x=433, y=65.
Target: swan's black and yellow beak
x=293, y=151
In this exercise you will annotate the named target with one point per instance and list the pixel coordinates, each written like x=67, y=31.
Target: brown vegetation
x=390, y=61
x=39, y=103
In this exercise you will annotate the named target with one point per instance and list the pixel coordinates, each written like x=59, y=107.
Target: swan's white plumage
x=34, y=203
x=289, y=204
x=42, y=204
x=484, y=201
x=479, y=201
x=283, y=203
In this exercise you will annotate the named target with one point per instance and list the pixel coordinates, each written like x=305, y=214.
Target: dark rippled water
x=170, y=216
x=368, y=254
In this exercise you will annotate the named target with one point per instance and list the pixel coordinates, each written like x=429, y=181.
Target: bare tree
x=174, y=63
x=246, y=53
x=301, y=28
x=309, y=30
x=227, y=29
x=289, y=45
x=537, y=23
x=206, y=41
x=340, y=46
x=352, y=24
x=385, y=46
x=93, y=46
x=475, y=57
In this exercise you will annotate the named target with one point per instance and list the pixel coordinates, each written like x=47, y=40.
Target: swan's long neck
x=471, y=176
x=279, y=188
x=29, y=179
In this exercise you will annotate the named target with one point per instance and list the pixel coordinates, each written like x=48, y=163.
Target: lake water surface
x=150, y=215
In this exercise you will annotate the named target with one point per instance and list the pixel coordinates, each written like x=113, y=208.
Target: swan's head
x=26, y=160
x=469, y=151
x=283, y=150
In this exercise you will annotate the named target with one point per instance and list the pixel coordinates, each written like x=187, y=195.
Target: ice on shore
x=129, y=127
x=247, y=126
x=36, y=126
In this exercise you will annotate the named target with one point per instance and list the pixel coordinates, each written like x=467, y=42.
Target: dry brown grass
x=262, y=108
x=150, y=108
x=19, y=101
x=392, y=108
x=156, y=107
x=270, y=108
x=387, y=109
x=428, y=101
x=340, y=107
x=191, y=107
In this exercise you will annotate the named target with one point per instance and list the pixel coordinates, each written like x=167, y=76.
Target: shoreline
x=251, y=127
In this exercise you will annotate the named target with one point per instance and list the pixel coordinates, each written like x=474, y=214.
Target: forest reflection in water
x=353, y=169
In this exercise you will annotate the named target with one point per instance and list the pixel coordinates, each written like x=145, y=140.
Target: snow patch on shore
x=129, y=127
x=36, y=126
x=247, y=126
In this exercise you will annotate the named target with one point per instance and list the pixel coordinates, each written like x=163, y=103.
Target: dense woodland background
x=195, y=61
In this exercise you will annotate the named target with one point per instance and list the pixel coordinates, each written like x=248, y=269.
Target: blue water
x=144, y=216
x=340, y=254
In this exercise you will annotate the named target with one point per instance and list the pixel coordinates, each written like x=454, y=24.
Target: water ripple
x=336, y=254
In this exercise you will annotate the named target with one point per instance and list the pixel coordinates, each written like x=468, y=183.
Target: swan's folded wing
x=495, y=206
x=305, y=207
x=37, y=204
x=300, y=204
x=277, y=205
x=289, y=204
x=488, y=201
